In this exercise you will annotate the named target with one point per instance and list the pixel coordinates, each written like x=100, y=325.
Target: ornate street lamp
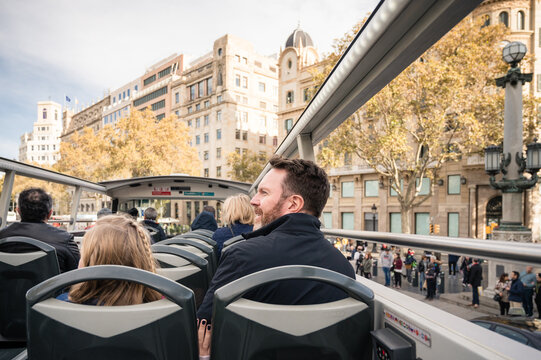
x=374, y=212
x=513, y=182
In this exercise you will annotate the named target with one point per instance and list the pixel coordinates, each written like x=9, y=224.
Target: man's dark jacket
x=67, y=251
x=160, y=235
x=293, y=239
x=516, y=291
x=476, y=275
x=205, y=220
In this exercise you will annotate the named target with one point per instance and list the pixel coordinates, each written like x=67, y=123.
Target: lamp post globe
x=514, y=52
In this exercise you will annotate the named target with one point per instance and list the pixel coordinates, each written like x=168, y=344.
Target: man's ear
x=49, y=215
x=296, y=204
x=18, y=211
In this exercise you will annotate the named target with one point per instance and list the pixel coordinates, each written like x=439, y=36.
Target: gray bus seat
x=205, y=232
x=245, y=329
x=206, y=249
x=18, y=273
x=191, y=235
x=163, y=329
x=232, y=241
x=183, y=267
x=154, y=234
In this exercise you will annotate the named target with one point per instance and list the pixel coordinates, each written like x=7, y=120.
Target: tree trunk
x=405, y=214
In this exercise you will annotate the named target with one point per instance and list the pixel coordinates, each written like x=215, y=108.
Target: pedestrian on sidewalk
x=502, y=289
x=367, y=265
x=358, y=257
x=538, y=295
x=453, y=260
x=386, y=262
x=397, y=265
x=423, y=266
x=465, y=268
x=529, y=282
x=516, y=291
x=430, y=281
x=476, y=275
x=408, y=264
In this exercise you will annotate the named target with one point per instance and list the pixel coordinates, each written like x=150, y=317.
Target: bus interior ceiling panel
x=436, y=333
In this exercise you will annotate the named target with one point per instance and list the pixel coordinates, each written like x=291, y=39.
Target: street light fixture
x=533, y=157
x=492, y=159
x=374, y=212
x=514, y=52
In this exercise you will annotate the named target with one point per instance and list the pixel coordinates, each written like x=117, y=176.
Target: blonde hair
x=115, y=240
x=238, y=208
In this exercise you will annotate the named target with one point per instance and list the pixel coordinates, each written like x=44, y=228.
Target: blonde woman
x=238, y=217
x=114, y=240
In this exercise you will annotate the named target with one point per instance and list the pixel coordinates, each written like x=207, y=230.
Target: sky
x=50, y=49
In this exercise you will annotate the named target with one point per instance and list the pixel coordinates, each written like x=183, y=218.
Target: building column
x=473, y=221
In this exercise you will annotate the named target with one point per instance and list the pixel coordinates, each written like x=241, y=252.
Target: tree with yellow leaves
x=443, y=106
x=137, y=145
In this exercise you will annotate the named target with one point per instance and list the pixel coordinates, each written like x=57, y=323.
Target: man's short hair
x=134, y=213
x=34, y=205
x=151, y=214
x=104, y=212
x=306, y=179
x=209, y=209
x=516, y=273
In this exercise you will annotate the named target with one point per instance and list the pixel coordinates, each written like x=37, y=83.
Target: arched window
x=504, y=18
x=487, y=20
x=44, y=113
x=520, y=20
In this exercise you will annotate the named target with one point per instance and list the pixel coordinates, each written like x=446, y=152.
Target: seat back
x=205, y=232
x=245, y=329
x=232, y=241
x=163, y=329
x=185, y=268
x=195, y=236
x=18, y=273
x=205, y=249
x=154, y=234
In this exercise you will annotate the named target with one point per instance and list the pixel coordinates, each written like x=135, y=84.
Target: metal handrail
x=525, y=253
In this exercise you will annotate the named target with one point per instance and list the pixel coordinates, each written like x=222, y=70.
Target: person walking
x=367, y=265
x=386, y=262
x=476, y=275
x=502, y=289
x=430, y=281
x=516, y=291
x=408, y=264
x=529, y=282
x=465, y=268
x=453, y=260
x=358, y=257
x=397, y=265
x=423, y=266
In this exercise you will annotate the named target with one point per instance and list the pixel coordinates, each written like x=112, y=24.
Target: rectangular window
x=395, y=222
x=197, y=107
x=151, y=96
x=207, y=104
x=209, y=86
x=275, y=141
x=128, y=92
x=189, y=122
x=197, y=122
x=237, y=80
x=158, y=105
x=192, y=92
x=371, y=188
x=245, y=135
x=393, y=192
x=136, y=88
x=348, y=221
x=370, y=221
x=452, y=224
x=453, y=184
x=190, y=110
x=160, y=116
x=288, y=125
x=164, y=72
x=206, y=137
x=177, y=113
x=218, y=116
x=201, y=87
x=218, y=153
x=219, y=99
x=306, y=94
x=206, y=120
x=290, y=97
x=327, y=220
x=206, y=172
x=197, y=140
x=425, y=186
x=237, y=134
x=422, y=223
x=347, y=189
x=237, y=150
x=205, y=155
x=123, y=95
x=177, y=98
x=261, y=86
x=245, y=82
x=218, y=171
x=218, y=134
x=538, y=82
x=149, y=80
x=262, y=139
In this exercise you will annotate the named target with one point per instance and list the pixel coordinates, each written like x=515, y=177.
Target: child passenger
x=115, y=240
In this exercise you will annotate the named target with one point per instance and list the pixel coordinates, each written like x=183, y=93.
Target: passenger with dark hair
x=205, y=220
x=35, y=208
x=288, y=203
x=134, y=213
x=150, y=222
x=516, y=291
x=476, y=275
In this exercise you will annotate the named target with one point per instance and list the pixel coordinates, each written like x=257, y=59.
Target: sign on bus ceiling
x=198, y=193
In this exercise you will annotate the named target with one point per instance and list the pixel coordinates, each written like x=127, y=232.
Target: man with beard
x=288, y=203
